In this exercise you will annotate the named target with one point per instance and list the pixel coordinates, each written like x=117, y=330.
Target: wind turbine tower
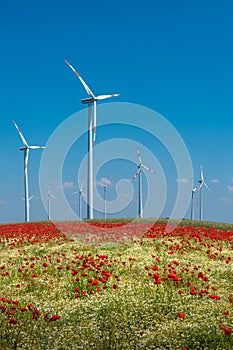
x=26, y=148
x=105, y=186
x=192, y=202
x=141, y=166
x=202, y=183
x=91, y=100
x=80, y=194
x=49, y=196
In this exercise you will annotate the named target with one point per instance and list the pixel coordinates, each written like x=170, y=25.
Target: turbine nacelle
x=87, y=100
x=97, y=98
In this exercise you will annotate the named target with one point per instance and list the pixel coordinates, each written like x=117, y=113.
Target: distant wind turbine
x=202, y=183
x=49, y=196
x=92, y=99
x=192, y=201
x=105, y=186
x=26, y=149
x=141, y=166
x=81, y=194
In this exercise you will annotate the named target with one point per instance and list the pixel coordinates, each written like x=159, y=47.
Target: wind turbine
x=26, y=149
x=92, y=99
x=202, y=183
x=105, y=186
x=80, y=193
x=49, y=196
x=141, y=166
x=192, y=201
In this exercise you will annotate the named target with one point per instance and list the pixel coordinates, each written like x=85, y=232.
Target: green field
x=162, y=290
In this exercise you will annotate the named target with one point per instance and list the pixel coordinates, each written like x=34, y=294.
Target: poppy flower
x=3, y=307
x=12, y=320
x=23, y=309
x=154, y=268
x=181, y=315
x=54, y=318
x=227, y=331
x=225, y=313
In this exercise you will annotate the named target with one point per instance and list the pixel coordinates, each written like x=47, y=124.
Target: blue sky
x=174, y=57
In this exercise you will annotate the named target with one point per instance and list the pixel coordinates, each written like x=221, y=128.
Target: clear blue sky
x=174, y=57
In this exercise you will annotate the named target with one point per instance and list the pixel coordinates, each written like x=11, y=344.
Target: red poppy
x=12, y=320
x=227, y=331
x=23, y=309
x=3, y=307
x=54, y=318
x=225, y=313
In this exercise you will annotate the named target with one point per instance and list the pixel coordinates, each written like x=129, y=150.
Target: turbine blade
x=201, y=185
x=139, y=156
x=35, y=147
x=20, y=134
x=86, y=87
x=137, y=173
x=149, y=169
x=83, y=194
x=202, y=174
x=205, y=185
x=49, y=193
x=103, y=97
x=194, y=189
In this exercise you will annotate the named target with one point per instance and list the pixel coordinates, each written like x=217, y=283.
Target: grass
x=165, y=291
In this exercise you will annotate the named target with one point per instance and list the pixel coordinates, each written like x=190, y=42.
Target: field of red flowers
x=115, y=285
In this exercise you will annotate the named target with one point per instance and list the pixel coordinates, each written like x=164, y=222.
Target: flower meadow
x=116, y=285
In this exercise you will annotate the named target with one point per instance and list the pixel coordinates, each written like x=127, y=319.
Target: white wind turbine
x=26, y=149
x=49, y=196
x=80, y=195
x=141, y=166
x=92, y=99
x=192, y=201
x=202, y=183
x=105, y=186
